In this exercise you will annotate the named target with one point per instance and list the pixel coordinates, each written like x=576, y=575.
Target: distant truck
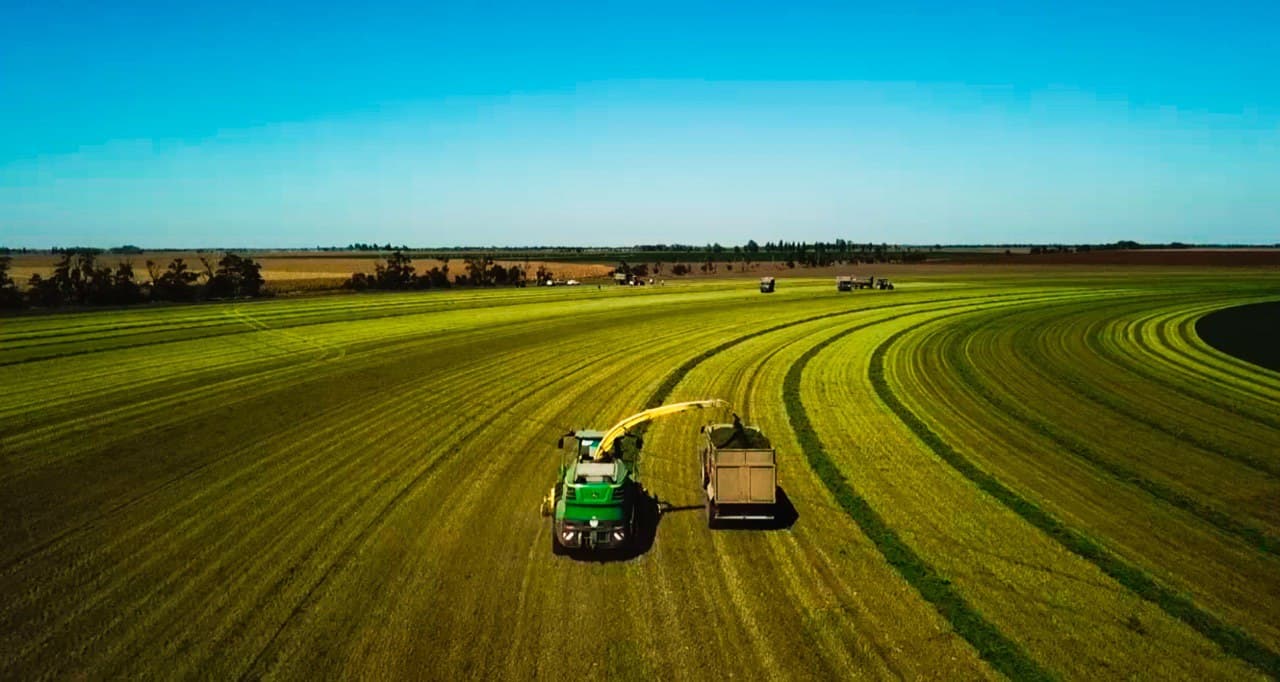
x=739, y=473
x=766, y=285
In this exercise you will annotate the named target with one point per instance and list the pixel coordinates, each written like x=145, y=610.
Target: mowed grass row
x=856, y=612
x=1125, y=343
x=1064, y=613
x=1070, y=461
x=33, y=337
x=1099, y=503
x=1082, y=360
x=1053, y=348
x=355, y=495
x=46, y=452
x=1212, y=481
x=190, y=573
x=554, y=609
x=286, y=484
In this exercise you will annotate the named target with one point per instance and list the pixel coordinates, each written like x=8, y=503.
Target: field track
x=1025, y=476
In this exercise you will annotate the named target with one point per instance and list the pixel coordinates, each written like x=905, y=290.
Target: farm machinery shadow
x=650, y=511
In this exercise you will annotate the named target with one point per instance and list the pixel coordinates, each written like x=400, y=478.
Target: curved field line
x=958, y=360
x=403, y=405
x=1179, y=336
x=1130, y=331
x=1036, y=357
x=1232, y=640
x=991, y=645
x=1257, y=382
x=672, y=378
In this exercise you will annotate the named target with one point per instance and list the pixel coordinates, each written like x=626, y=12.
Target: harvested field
x=994, y=472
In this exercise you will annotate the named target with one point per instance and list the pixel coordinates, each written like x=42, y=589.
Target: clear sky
x=300, y=124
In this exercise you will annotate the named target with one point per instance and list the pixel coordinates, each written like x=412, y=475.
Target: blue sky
x=234, y=124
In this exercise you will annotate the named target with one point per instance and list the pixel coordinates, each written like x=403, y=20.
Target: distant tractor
x=739, y=473
x=883, y=283
x=593, y=502
x=766, y=285
x=844, y=283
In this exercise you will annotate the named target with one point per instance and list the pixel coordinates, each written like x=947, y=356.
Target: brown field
x=294, y=271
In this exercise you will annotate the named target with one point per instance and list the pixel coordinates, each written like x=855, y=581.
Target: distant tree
x=436, y=277
x=752, y=246
x=235, y=277
x=397, y=273
x=359, y=282
x=479, y=271
x=125, y=289
x=10, y=297
x=42, y=292
x=176, y=283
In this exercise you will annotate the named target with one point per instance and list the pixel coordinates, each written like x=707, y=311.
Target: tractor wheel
x=557, y=549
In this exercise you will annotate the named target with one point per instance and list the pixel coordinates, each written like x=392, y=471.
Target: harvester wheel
x=557, y=549
x=711, y=514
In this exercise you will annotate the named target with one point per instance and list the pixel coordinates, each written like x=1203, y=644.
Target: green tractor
x=593, y=502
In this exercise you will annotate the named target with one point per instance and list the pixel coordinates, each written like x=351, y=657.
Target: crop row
x=348, y=487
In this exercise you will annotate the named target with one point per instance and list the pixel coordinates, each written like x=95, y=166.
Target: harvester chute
x=621, y=428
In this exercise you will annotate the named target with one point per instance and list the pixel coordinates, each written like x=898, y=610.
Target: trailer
x=766, y=285
x=739, y=473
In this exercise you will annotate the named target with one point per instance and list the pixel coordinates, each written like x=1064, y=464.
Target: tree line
x=80, y=278
x=397, y=273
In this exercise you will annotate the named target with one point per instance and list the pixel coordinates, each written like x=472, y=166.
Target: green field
x=995, y=474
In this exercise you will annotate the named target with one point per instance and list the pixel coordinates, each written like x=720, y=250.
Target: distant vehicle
x=572, y=283
x=844, y=283
x=766, y=285
x=883, y=283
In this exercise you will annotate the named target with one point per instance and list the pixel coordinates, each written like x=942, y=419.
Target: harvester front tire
x=557, y=549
